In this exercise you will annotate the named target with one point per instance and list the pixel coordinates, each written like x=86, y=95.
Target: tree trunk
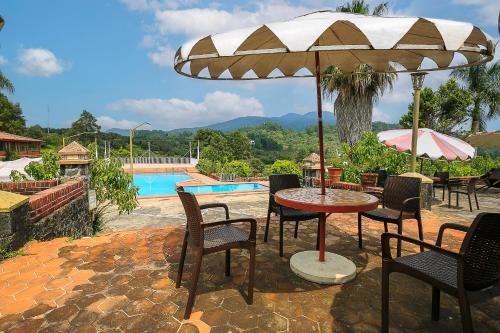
x=353, y=116
x=476, y=117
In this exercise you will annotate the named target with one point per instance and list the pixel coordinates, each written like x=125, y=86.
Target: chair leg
x=436, y=299
x=457, y=201
x=385, y=299
x=470, y=202
x=281, y=237
x=251, y=274
x=295, y=234
x=267, y=225
x=420, y=232
x=443, y=192
x=385, y=227
x=400, y=231
x=360, y=233
x=228, y=262
x=449, y=198
x=181, y=262
x=192, y=289
x=433, y=191
x=317, y=236
x=477, y=202
x=463, y=302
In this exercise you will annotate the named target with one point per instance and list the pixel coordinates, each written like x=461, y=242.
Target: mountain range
x=290, y=121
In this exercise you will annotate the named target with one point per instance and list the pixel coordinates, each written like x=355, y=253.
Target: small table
x=320, y=266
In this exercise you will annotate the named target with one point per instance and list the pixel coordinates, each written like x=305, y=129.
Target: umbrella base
x=334, y=270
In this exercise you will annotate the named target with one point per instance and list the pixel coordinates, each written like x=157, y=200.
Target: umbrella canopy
x=485, y=140
x=286, y=49
x=431, y=144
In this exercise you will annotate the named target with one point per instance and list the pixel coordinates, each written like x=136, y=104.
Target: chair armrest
x=386, y=250
x=253, y=225
x=406, y=202
x=444, y=226
x=216, y=205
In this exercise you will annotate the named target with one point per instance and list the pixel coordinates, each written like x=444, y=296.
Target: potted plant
x=334, y=174
x=369, y=179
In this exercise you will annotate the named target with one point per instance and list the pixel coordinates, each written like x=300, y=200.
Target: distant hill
x=290, y=121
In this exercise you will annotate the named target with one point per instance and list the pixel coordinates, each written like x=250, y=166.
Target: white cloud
x=143, y=5
x=379, y=115
x=175, y=113
x=40, y=62
x=163, y=56
x=3, y=60
x=487, y=10
x=108, y=122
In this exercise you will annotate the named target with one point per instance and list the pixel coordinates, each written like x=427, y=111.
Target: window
x=33, y=147
x=2, y=146
x=22, y=147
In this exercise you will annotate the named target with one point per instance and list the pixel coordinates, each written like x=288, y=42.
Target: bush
x=207, y=166
x=241, y=168
x=282, y=167
x=47, y=169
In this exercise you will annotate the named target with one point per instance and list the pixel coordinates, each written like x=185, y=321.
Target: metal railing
x=157, y=160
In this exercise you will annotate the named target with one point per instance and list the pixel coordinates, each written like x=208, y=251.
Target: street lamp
x=131, y=138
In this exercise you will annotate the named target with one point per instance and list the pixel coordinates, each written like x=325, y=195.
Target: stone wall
x=28, y=187
x=70, y=220
x=13, y=226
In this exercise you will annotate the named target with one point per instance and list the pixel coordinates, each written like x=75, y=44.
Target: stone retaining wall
x=45, y=202
x=28, y=187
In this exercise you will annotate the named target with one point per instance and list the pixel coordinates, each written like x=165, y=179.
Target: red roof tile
x=4, y=136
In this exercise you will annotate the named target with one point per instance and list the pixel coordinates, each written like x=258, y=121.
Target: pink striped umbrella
x=430, y=144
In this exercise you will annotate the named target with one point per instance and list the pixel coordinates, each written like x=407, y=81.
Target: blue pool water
x=224, y=188
x=158, y=183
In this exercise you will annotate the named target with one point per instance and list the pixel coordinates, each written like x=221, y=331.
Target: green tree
x=85, y=123
x=483, y=82
x=6, y=84
x=239, y=168
x=47, y=169
x=443, y=110
x=356, y=92
x=214, y=145
x=240, y=145
x=11, y=116
x=282, y=167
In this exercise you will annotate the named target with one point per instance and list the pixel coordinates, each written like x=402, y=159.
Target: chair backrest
x=398, y=188
x=494, y=173
x=281, y=182
x=193, y=216
x=481, y=252
x=382, y=177
x=471, y=185
x=443, y=176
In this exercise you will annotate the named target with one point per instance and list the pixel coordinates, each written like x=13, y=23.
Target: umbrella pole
x=322, y=216
x=417, y=80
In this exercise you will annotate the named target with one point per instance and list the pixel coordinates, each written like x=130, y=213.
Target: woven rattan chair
x=282, y=182
x=401, y=201
x=444, y=177
x=471, y=275
x=491, y=179
x=206, y=238
x=467, y=188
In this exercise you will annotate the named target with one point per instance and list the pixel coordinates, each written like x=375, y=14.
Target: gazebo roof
x=74, y=148
x=313, y=158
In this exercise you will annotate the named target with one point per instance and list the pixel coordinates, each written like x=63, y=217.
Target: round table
x=320, y=266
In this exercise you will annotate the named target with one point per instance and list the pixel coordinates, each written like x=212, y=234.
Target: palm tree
x=4, y=82
x=356, y=92
x=484, y=83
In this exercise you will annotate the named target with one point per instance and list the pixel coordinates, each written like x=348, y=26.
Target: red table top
x=334, y=201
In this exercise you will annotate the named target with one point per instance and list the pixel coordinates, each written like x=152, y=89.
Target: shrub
x=240, y=168
x=207, y=166
x=281, y=167
x=47, y=169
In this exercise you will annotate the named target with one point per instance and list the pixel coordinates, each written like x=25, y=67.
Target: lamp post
x=131, y=143
x=417, y=79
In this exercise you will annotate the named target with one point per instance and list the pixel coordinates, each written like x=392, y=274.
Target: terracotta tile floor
x=123, y=282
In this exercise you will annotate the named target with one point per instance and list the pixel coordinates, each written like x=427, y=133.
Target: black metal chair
x=491, y=179
x=401, y=201
x=282, y=182
x=460, y=187
x=444, y=177
x=382, y=177
x=206, y=238
x=471, y=275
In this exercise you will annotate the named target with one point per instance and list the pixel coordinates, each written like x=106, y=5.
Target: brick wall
x=45, y=202
x=28, y=187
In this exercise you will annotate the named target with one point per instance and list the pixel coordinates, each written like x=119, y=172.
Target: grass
x=7, y=252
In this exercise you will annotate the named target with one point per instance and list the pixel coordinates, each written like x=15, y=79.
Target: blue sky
x=114, y=58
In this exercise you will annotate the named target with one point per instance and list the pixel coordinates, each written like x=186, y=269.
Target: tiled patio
x=123, y=282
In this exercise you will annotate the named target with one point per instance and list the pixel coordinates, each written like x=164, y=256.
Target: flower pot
x=334, y=174
x=369, y=179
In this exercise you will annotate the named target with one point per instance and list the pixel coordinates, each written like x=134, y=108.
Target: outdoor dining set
x=471, y=275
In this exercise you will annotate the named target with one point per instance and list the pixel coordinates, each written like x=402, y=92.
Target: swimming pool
x=158, y=183
x=224, y=188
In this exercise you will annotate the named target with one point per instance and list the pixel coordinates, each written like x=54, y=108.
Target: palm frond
x=6, y=84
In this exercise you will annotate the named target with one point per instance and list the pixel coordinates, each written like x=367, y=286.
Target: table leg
x=322, y=222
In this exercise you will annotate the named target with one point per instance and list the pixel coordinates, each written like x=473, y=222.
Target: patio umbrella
x=431, y=144
x=485, y=139
x=307, y=45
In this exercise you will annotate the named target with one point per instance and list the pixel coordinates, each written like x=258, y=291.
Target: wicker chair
x=444, y=177
x=282, y=182
x=206, y=238
x=401, y=201
x=491, y=179
x=382, y=177
x=471, y=275
x=467, y=188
